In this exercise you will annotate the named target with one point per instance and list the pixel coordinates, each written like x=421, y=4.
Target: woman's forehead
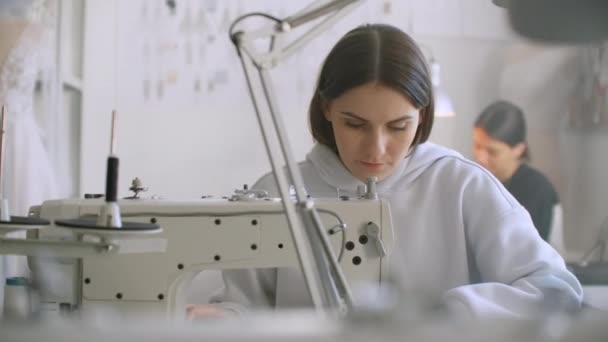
x=374, y=97
x=480, y=136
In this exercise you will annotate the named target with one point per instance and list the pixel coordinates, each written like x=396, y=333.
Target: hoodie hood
x=334, y=173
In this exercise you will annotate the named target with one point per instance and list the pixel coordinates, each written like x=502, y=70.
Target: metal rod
x=293, y=173
x=113, y=134
x=337, y=274
x=297, y=44
x=326, y=261
x=294, y=223
x=292, y=170
x=297, y=20
x=55, y=249
x=304, y=222
x=2, y=122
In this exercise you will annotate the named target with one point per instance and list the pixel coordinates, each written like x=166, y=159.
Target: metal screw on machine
x=373, y=232
x=108, y=248
x=137, y=186
x=248, y=195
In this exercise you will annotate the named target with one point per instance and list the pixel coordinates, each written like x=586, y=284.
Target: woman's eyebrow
x=355, y=116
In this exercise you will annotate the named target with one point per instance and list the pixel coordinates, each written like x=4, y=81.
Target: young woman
x=499, y=144
x=460, y=235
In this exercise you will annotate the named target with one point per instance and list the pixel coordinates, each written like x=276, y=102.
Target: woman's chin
x=364, y=176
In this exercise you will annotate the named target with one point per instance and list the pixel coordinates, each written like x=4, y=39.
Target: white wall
x=185, y=150
x=214, y=146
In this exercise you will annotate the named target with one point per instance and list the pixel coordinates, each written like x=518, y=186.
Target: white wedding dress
x=28, y=175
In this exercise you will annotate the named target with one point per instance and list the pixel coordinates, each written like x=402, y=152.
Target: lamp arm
x=334, y=11
x=325, y=281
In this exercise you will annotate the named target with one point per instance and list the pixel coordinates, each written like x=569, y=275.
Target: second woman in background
x=499, y=143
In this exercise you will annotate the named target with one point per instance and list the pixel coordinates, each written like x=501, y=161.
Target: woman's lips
x=372, y=165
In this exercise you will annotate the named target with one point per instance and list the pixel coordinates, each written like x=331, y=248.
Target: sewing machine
x=149, y=273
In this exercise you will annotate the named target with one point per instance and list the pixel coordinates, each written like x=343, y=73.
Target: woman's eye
x=354, y=124
x=400, y=127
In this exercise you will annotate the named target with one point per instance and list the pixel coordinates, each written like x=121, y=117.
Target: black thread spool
x=112, y=179
x=110, y=215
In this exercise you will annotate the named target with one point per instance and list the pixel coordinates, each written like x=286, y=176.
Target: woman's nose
x=376, y=144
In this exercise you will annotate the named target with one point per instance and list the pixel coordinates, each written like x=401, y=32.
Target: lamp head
x=559, y=21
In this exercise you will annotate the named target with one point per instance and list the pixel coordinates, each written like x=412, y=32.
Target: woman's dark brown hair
x=375, y=53
x=505, y=122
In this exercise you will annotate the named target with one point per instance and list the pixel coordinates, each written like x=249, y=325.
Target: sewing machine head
x=248, y=230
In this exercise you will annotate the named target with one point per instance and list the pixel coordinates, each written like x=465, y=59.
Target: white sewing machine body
x=206, y=234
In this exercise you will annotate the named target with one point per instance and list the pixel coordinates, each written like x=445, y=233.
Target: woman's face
x=498, y=157
x=374, y=127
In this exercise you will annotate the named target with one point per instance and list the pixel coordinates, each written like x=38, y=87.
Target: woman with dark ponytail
x=500, y=145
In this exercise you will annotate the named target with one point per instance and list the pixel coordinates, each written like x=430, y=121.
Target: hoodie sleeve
x=245, y=289
x=248, y=288
x=520, y=274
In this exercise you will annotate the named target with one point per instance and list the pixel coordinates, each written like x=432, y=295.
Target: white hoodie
x=460, y=236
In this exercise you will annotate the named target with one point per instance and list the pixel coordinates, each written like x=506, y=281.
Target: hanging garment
x=28, y=177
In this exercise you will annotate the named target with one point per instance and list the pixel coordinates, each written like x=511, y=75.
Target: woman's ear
x=325, y=107
x=519, y=150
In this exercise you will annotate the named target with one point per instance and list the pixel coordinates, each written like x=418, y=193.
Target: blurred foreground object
x=559, y=21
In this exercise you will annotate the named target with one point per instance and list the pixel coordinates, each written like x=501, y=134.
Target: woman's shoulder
x=453, y=173
x=528, y=177
x=267, y=181
x=449, y=163
x=534, y=175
